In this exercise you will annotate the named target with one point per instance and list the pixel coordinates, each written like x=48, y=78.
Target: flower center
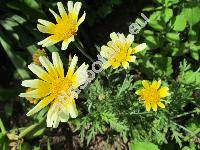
x=65, y=28
x=120, y=54
x=59, y=86
x=151, y=95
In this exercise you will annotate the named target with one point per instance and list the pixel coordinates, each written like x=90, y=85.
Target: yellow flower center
x=60, y=86
x=151, y=95
x=64, y=29
x=121, y=53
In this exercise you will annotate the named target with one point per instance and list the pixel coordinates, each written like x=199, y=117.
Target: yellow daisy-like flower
x=119, y=51
x=55, y=88
x=152, y=94
x=65, y=27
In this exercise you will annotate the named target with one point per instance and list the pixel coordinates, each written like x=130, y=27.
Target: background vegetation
x=110, y=115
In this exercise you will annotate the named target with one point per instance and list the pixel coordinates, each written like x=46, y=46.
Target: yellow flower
x=65, y=27
x=152, y=94
x=55, y=88
x=119, y=51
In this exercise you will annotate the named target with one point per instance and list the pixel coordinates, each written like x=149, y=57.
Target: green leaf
x=152, y=42
x=169, y=3
x=17, y=61
x=173, y=37
x=167, y=14
x=157, y=25
x=144, y=146
x=180, y=23
x=191, y=13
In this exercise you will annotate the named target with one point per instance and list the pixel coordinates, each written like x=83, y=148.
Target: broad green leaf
x=167, y=14
x=195, y=55
x=152, y=42
x=144, y=146
x=173, y=36
x=148, y=32
x=180, y=23
x=169, y=3
x=191, y=13
x=157, y=25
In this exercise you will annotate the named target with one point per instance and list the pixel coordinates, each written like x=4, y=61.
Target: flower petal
x=61, y=10
x=71, y=107
x=48, y=65
x=156, y=84
x=145, y=84
x=163, y=92
x=35, y=83
x=66, y=43
x=154, y=106
x=140, y=47
x=80, y=76
x=43, y=103
x=81, y=19
x=37, y=70
x=161, y=105
x=77, y=7
x=72, y=66
x=70, y=6
x=113, y=36
x=56, y=16
x=148, y=106
x=57, y=62
x=125, y=64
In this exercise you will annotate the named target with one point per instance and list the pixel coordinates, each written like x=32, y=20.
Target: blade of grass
x=17, y=61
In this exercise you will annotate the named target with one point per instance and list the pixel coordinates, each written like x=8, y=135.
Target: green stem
x=29, y=129
x=184, y=128
x=183, y=114
x=142, y=113
x=81, y=49
x=3, y=129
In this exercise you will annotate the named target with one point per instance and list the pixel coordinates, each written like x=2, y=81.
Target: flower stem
x=29, y=129
x=183, y=114
x=81, y=49
x=3, y=129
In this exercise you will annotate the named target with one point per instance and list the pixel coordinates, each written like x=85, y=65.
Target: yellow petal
x=163, y=92
x=70, y=6
x=71, y=107
x=145, y=83
x=37, y=70
x=48, y=66
x=154, y=106
x=77, y=7
x=56, y=16
x=81, y=75
x=42, y=28
x=66, y=43
x=138, y=92
x=46, y=23
x=61, y=10
x=113, y=36
x=161, y=105
x=81, y=19
x=36, y=83
x=140, y=47
x=72, y=66
x=148, y=106
x=132, y=59
x=130, y=39
x=43, y=103
x=125, y=64
x=156, y=84
x=57, y=62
